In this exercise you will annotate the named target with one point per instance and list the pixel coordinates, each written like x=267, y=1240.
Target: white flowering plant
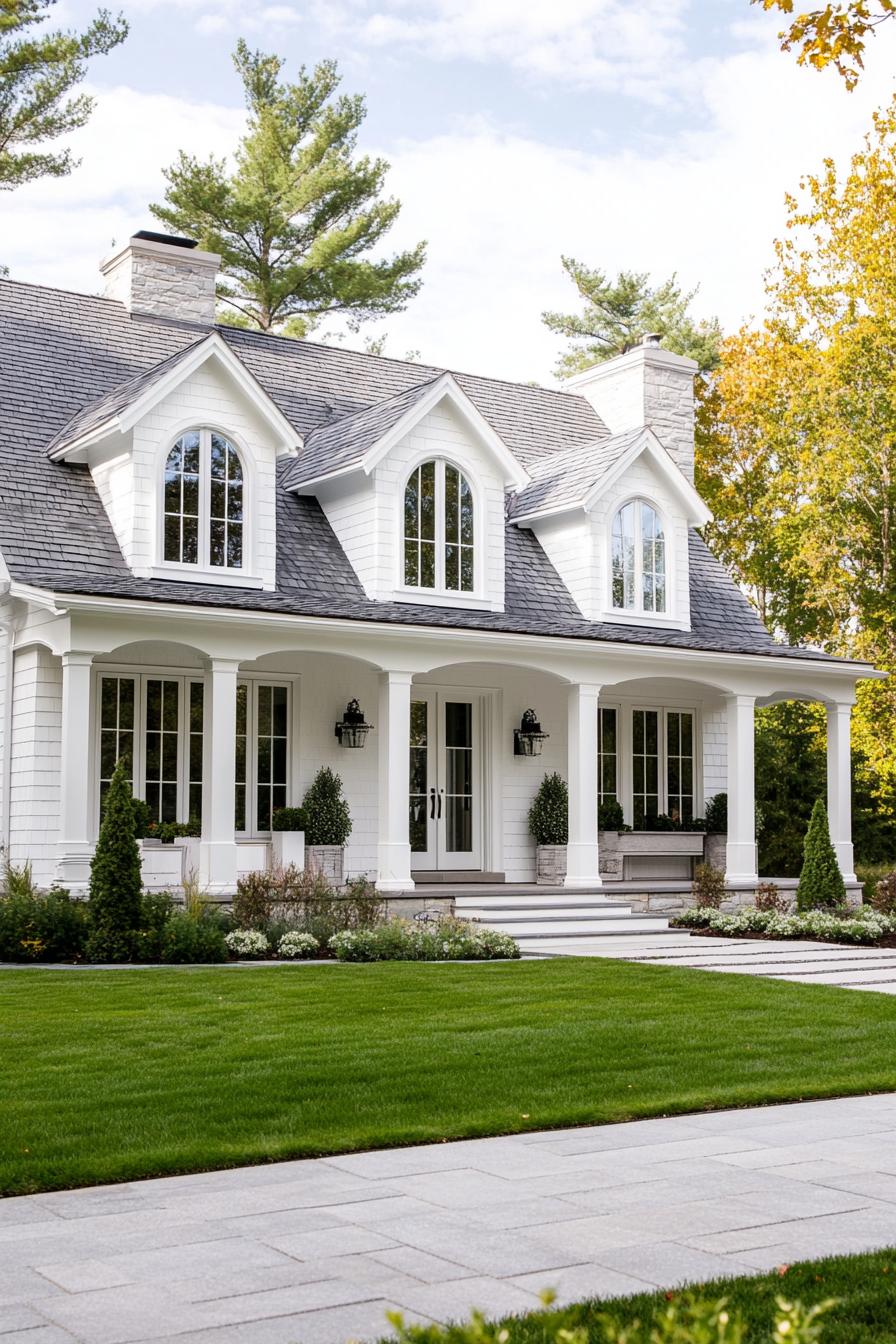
x=864, y=927
x=438, y=940
x=246, y=943
x=296, y=946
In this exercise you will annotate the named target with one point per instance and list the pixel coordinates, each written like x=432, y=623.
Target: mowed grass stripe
x=115, y=1075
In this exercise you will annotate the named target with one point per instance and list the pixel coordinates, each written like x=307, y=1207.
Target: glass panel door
x=162, y=745
x=645, y=766
x=444, y=782
x=680, y=765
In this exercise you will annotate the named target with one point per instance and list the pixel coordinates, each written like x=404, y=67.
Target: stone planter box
x=328, y=860
x=288, y=849
x=652, y=855
x=550, y=865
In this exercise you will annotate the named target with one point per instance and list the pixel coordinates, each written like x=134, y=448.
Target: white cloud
x=499, y=209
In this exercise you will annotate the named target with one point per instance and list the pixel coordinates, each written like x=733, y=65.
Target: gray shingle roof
x=65, y=353
x=343, y=443
x=565, y=478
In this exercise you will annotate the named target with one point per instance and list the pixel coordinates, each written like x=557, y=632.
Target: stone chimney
x=165, y=276
x=646, y=386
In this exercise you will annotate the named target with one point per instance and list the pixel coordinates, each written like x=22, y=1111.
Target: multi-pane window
x=117, y=718
x=638, y=559
x=262, y=755
x=203, y=518
x=154, y=722
x=680, y=765
x=162, y=747
x=419, y=776
x=438, y=528
x=607, y=755
x=645, y=767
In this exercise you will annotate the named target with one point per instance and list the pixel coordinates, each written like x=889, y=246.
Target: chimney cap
x=167, y=239
x=653, y=338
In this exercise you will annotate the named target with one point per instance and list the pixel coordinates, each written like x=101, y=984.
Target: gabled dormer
x=184, y=459
x=414, y=488
x=614, y=516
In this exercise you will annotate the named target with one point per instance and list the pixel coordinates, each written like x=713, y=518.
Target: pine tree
x=37, y=71
x=116, y=882
x=296, y=221
x=821, y=882
x=619, y=313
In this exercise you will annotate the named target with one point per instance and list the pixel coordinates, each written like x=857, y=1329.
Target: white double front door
x=445, y=780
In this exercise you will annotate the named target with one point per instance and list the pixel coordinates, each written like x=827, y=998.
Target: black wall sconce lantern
x=528, y=738
x=352, y=730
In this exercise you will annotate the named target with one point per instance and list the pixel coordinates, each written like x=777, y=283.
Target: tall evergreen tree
x=618, y=313
x=38, y=70
x=296, y=222
x=116, y=882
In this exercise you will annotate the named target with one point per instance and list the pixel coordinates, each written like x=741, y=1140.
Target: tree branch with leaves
x=836, y=34
x=299, y=222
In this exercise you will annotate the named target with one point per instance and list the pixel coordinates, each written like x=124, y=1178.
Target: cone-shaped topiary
x=116, y=883
x=549, y=813
x=327, y=818
x=821, y=882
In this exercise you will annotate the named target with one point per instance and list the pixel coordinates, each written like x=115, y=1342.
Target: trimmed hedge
x=439, y=940
x=865, y=927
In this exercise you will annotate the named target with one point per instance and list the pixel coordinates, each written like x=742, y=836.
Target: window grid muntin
x=645, y=766
x=162, y=747
x=219, y=539
x=438, y=528
x=262, y=771
x=118, y=715
x=136, y=745
x=638, y=560
x=680, y=782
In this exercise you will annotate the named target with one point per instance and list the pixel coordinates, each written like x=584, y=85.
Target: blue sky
x=657, y=135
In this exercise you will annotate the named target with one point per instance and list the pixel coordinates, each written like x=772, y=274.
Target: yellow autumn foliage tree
x=832, y=34
x=797, y=444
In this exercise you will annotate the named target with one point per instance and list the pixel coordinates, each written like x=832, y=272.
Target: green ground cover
x=113, y=1075
x=862, y=1288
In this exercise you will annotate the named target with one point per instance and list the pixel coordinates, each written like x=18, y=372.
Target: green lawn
x=111, y=1075
x=862, y=1286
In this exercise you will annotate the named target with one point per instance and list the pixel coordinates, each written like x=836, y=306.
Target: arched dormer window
x=203, y=502
x=638, y=559
x=439, y=552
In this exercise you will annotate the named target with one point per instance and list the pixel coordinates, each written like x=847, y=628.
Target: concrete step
x=522, y=926
x=559, y=899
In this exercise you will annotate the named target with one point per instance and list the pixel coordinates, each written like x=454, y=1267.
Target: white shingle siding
x=715, y=750
x=36, y=760
x=130, y=483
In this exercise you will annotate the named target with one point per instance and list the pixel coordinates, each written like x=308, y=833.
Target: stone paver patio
x=315, y=1252
x=808, y=963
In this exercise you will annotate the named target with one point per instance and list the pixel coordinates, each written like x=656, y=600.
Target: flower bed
x=864, y=926
x=442, y=940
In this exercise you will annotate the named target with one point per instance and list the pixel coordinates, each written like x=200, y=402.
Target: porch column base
x=394, y=867
x=217, y=866
x=73, y=864
x=582, y=867
x=846, y=859
x=741, y=862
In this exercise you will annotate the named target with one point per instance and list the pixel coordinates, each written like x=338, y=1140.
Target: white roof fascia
x=447, y=388
x=698, y=514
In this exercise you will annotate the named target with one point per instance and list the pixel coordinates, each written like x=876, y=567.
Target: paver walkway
x=315, y=1252
x=807, y=962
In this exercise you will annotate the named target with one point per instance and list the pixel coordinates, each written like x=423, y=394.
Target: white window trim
x=667, y=619
x=141, y=676
x=440, y=595
x=244, y=577
x=253, y=680
x=628, y=802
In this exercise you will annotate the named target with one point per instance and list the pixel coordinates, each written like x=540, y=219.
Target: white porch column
x=75, y=848
x=393, y=746
x=217, y=847
x=840, y=786
x=582, y=866
x=741, y=862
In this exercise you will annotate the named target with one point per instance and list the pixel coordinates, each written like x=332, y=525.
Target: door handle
x=432, y=804
x=441, y=791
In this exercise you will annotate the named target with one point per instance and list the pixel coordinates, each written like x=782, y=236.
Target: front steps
x=535, y=916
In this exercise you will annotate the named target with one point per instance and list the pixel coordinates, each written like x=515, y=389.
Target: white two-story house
x=213, y=539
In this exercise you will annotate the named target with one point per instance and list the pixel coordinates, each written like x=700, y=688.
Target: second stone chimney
x=646, y=386
x=164, y=276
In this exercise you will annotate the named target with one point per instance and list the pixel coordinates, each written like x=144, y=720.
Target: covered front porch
x=225, y=721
